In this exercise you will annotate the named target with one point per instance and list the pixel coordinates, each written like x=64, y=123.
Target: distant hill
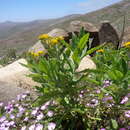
x=24, y=34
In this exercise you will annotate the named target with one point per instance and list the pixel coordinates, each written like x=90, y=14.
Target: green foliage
x=78, y=105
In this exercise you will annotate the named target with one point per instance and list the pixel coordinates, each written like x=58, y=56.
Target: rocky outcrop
x=54, y=33
x=16, y=75
x=126, y=37
x=75, y=27
x=108, y=34
x=9, y=91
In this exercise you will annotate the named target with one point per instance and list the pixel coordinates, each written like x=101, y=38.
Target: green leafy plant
x=89, y=99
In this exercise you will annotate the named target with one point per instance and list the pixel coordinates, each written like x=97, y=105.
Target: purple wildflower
x=127, y=114
x=2, y=118
x=26, y=119
x=81, y=95
x=107, y=83
x=122, y=129
x=50, y=113
x=12, y=116
x=109, y=98
x=32, y=127
x=39, y=127
x=124, y=100
x=40, y=116
x=51, y=126
x=1, y=104
x=34, y=112
x=44, y=107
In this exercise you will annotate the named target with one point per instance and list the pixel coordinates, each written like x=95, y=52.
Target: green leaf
x=119, y=74
x=94, y=49
x=112, y=75
x=83, y=41
x=124, y=66
x=114, y=124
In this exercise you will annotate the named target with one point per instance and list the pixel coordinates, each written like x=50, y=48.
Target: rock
x=38, y=47
x=126, y=37
x=54, y=33
x=16, y=74
x=60, y=32
x=108, y=34
x=1, y=66
x=9, y=92
x=75, y=27
x=86, y=63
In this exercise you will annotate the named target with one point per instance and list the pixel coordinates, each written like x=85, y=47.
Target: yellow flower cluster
x=127, y=44
x=100, y=50
x=43, y=36
x=50, y=40
x=36, y=54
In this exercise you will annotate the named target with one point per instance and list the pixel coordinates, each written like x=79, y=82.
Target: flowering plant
x=70, y=99
x=89, y=97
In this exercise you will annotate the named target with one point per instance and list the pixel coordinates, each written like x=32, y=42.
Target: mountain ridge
x=23, y=35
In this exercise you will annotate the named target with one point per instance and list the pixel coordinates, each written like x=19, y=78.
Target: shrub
x=85, y=100
x=91, y=99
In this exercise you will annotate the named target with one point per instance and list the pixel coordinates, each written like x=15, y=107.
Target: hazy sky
x=27, y=10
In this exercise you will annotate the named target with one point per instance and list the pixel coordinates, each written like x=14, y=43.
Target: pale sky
x=27, y=10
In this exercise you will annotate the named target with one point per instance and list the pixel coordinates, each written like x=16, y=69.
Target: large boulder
x=126, y=37
x=9, y=92
x=76, y=25
x=53, y=33
x=107, y=34
x=16, y=74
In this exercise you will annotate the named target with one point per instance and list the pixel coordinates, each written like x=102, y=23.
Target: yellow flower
x=40, y=52
x=32, y=53
x=54, y=41
x=61, y=38
x=43, y=36
x=127, y=44
x=100, y=50
x=35, y=54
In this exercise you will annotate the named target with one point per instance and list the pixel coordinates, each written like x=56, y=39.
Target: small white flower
x=32, y=127
x=51, y=126
x=125, y=99
x=39, y=127
x=50, y=113
x=34, y=112
x=40, y=116
x=23, y=128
